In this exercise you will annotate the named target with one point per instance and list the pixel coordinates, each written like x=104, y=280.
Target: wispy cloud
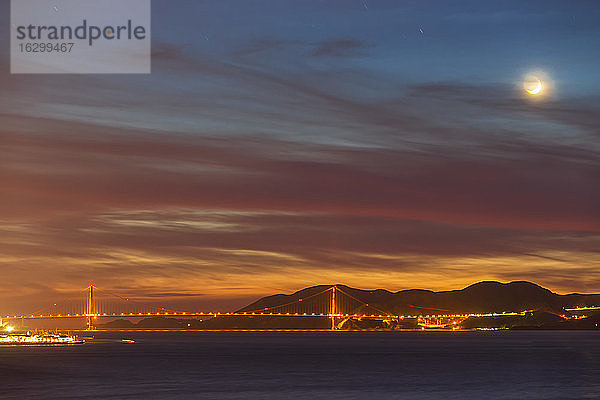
x=339, y=48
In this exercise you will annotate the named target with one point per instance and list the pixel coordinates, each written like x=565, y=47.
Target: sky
x=283, y=144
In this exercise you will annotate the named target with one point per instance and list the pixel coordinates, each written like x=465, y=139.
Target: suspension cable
x=360, y=301
x=139, y=303
x=293, y=302
x=58, y=302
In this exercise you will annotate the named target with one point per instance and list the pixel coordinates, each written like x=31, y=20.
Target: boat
x=127, y=341
x=39, y=339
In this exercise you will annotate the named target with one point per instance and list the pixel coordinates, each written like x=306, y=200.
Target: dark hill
x=482, y=297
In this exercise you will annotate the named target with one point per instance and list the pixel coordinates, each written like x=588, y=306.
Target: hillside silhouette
x=481, y=297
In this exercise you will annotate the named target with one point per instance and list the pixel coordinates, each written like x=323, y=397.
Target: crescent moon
x=537, y=89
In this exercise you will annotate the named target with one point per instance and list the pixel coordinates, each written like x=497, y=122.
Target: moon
x=533, y=86
x=538, y=88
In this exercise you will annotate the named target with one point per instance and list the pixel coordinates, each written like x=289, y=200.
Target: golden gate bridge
x=92, y=304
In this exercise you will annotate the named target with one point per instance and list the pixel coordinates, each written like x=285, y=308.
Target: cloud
x=533, y=188
x=575, y=116
x=151, y=252
x=261, y=45
x=339, y=48
x=163, y=295
x=167, y=51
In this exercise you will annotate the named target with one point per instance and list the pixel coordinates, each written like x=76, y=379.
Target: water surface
x=310, y=365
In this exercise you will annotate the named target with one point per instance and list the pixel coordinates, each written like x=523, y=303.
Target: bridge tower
x=90, y=308
x=333, y=289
